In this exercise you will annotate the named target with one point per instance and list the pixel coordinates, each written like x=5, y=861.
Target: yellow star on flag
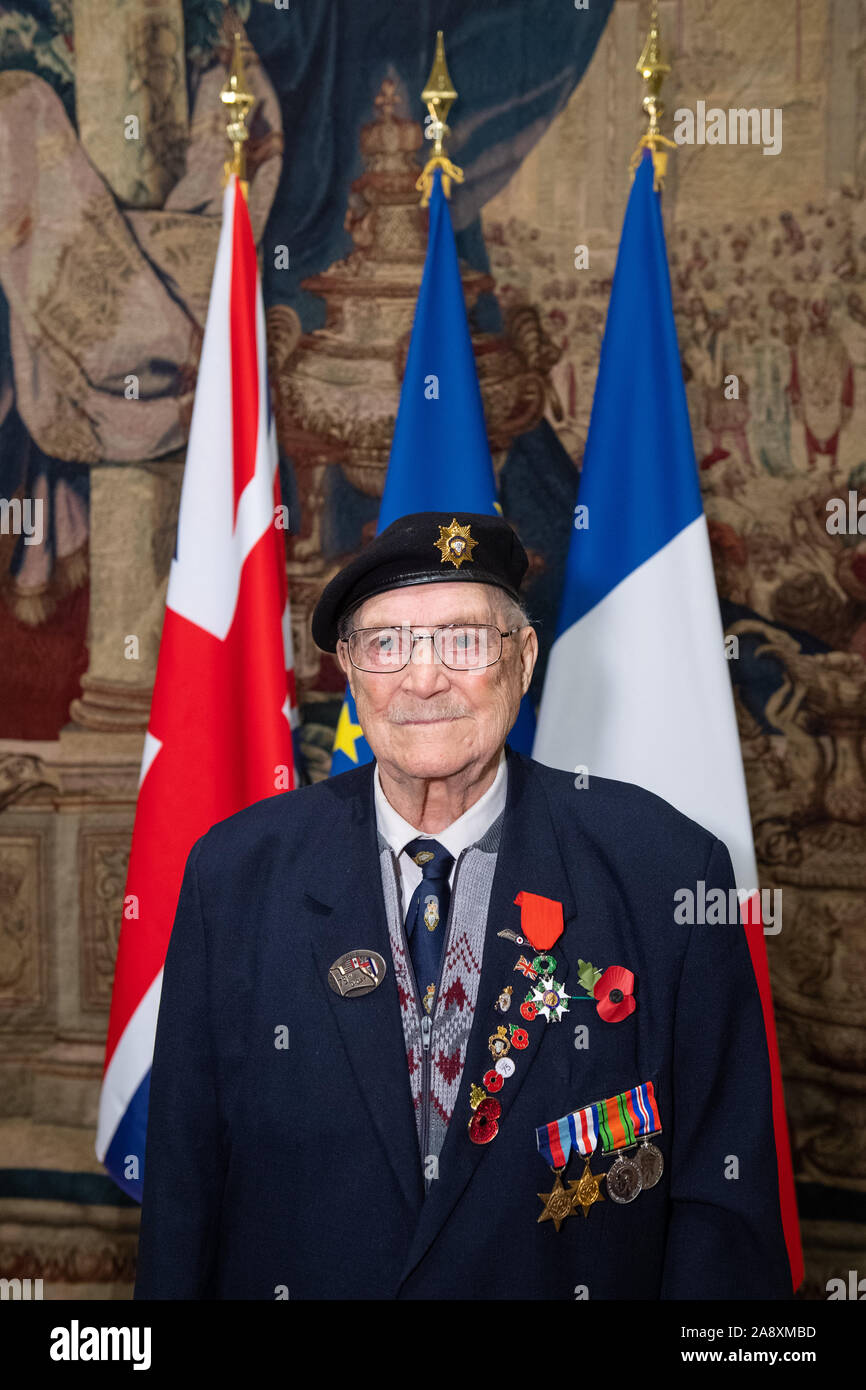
x=347, y=734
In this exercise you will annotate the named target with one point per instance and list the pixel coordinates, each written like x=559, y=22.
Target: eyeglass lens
x=464, y=648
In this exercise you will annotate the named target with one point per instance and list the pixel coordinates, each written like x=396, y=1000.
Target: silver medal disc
x=650, y=1164
x=623, y=1180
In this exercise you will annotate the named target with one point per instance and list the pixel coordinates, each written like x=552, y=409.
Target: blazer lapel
x=529, y=859
x=348, y=912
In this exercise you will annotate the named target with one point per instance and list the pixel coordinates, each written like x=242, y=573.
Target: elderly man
x=430, y=1029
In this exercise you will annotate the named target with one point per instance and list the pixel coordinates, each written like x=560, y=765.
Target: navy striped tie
x=428, y=914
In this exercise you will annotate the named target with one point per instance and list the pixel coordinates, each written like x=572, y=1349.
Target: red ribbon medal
x=540, y=919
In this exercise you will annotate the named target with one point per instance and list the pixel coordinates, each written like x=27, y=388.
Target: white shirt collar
x=455, y=837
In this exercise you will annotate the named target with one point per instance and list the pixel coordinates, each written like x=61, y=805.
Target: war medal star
x=558, y=1203
x=587, y=1190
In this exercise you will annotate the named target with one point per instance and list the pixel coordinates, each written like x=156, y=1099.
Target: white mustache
x=442, y=709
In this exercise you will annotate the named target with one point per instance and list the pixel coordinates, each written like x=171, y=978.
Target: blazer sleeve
x=725, y=1235
x=183, y=1165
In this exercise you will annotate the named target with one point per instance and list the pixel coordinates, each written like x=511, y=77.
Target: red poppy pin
x=612, y=989
x=484, y=1123
x=540, y=919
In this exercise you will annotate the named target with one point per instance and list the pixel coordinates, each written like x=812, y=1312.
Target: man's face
x=427, y=720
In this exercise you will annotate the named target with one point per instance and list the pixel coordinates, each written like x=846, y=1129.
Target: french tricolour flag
x=223, y=709
x=637, y=685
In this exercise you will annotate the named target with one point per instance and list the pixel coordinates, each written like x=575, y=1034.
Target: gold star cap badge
x=455, y=543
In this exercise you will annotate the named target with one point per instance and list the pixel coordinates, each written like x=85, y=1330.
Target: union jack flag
x=223, y=709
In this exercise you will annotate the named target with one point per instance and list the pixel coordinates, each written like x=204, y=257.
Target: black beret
x=423, y=548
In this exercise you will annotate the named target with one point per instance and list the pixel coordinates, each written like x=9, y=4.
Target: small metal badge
x=503, y=1003
x=356, y=973
x=510, y=935
x=526, y=970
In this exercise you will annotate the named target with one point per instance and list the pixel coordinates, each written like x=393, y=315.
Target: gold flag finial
x=238, y=101
x=439, y=95
x=653, y=69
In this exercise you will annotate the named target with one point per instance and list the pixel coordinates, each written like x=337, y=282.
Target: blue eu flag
x=440, y=459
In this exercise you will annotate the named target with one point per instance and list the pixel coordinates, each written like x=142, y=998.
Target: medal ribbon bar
x=618, y=1122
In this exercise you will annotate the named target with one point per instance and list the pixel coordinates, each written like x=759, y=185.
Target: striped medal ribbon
x=617, y=1123
x=625, y=1118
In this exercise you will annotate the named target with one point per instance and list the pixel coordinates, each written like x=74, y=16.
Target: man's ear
x=528, y=656
x=345, y=664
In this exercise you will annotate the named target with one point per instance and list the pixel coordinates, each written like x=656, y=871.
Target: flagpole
x=439, y=95
x=238, y=101
x=653, y=69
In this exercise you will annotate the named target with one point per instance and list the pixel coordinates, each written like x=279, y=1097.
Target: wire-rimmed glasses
x=459, y=646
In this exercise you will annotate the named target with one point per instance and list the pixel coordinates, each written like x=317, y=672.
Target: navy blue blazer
x=276, y=1171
